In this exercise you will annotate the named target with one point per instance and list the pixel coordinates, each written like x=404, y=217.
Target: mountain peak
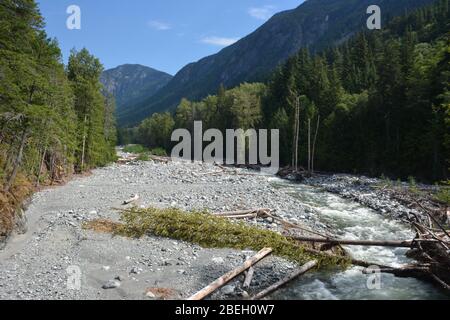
x=133, y=83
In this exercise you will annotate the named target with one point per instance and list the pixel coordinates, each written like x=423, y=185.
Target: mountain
x=316, y=24
x=131, y=84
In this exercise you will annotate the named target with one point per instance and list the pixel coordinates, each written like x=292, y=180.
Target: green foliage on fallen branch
x=215, y=232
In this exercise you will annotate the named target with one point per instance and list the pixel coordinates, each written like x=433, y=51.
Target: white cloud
x=159, y=25
x=261, y=13
x=219, y=41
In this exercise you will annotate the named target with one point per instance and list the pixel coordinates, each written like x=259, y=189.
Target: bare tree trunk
x=41, y=163
x=294, y=137
x=297, y=132
x=84, y=143
x=309, y=145
x=304, y=269
x=18, y=160
x=314, y=143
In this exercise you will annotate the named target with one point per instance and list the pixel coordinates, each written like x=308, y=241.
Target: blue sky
x=163, y=34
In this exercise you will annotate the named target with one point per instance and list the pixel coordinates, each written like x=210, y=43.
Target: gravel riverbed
x=45, y=262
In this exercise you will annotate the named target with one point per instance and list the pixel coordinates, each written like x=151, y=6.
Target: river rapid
x=350, y=220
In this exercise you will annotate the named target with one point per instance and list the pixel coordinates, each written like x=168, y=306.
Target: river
x=353, y=221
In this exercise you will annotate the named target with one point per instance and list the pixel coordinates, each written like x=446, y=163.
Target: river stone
x=111, y=284
x=218, y=260
x=228, y=290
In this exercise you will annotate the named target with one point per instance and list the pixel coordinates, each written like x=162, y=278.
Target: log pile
x=248, y=268
x=223, y=280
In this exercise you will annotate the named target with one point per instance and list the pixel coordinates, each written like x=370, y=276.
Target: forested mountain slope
x=377, y=104
x=130, y=84
x=315, y=24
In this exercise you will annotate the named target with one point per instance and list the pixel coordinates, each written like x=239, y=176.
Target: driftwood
x=264, y=213
x=131, y=200
x=304, y=269
x=248, y=278
x=223, y=280
x=259, y=212
x=376, y=243
x=160, y=159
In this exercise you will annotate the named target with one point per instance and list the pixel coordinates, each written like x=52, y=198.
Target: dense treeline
x=236, y=108
x=53, y=119
x=382, y=99
x=377, y=104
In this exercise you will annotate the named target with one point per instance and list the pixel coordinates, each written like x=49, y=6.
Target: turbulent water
x=353, y=221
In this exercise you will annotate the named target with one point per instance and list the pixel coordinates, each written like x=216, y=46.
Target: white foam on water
x=353, y=221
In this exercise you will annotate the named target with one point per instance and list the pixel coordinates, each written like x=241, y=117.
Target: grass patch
x=210, y=232
x=159, y=152
x=135, y=148
x=143, y=157
x=103, y=226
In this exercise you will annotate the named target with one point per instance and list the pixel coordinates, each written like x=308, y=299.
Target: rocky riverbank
x=39, y=264
x=394, y=201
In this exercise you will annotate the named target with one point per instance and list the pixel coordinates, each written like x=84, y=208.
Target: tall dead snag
x=296, y=135
x=309, y=145
x=314, y=144
x=223, y=280
x=304, y=269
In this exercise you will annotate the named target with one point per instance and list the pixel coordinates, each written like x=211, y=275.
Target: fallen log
x=304, y=269
x=248, y=278
x=131, y=200
x=407, y=271
x=376, y=243
x=244, y=216
x=223, y=280
x=419, y=271
x=160, y=159
x=242, y=212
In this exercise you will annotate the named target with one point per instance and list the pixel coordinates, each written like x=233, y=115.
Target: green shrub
x=443, y=194
x=135, y=148
x=143, y=157
x=412, y=185
x=160, y=152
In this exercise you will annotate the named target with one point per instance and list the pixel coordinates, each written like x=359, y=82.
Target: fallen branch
x=244, y=216
x=248, y=278
x=160, y=159
x=427, y=211
x=223, y=280
x=260, y=212
x=304, y=269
